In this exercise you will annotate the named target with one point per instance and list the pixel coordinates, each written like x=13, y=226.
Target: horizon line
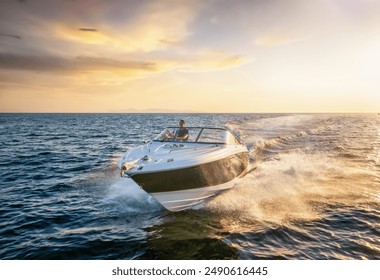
x=192, y=112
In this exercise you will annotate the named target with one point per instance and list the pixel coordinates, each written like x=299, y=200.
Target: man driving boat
x=182, y=134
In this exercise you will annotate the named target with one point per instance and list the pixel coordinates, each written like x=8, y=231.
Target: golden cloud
x=213, y=60
x=282, y=36
x=156, y=28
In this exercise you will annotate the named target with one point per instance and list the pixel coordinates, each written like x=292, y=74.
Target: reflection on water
x=313, y=190
x=189, y=235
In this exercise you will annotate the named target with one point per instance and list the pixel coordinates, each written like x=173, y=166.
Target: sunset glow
x=190, y=56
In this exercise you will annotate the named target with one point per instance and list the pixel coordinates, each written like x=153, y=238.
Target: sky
x=190, y=56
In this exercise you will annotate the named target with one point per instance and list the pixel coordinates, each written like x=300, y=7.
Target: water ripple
x=313, y=192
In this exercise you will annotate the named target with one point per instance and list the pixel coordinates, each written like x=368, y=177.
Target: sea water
x=312, y=190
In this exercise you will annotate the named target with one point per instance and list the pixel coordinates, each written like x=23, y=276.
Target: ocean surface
x=313, y=190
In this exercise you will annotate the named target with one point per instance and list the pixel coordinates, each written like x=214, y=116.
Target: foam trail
x=293, y=187
x=261, y=134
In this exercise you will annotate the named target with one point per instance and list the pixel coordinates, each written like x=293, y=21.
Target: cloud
x=160, y=26
x=10, y=36
x=69, y=72
x=207, y=61
x=203, y=61
x=71, y=33
x=155, y=27
x=273, y=40
x=88, y=29
x=80, y=27
x=34, y=63
x=60, y=64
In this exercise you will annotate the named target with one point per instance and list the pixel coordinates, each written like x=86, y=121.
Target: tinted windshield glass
x=217, y=136
x=212, y=136
x=193, y=134
x=199, y=135
x=169, y=134
x=166, y=135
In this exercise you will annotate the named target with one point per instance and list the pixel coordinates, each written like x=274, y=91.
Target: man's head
x=181, y=123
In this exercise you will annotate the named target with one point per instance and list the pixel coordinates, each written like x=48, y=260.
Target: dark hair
x=181, y=121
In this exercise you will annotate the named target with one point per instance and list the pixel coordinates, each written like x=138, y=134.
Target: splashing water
x=294, y=186
x=126, y=196
x=313, y=190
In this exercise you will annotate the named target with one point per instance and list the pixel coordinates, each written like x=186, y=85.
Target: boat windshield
x=200, y=135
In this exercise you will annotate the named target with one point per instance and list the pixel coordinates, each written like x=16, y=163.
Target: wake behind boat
x=183, y=173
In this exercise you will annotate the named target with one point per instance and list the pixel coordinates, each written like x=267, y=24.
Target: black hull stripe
x=200, y=176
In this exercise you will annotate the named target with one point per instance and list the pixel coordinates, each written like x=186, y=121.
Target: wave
x=294, y=187
x=267, y=133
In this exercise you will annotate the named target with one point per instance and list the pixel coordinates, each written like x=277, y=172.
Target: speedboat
x=183, y=174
